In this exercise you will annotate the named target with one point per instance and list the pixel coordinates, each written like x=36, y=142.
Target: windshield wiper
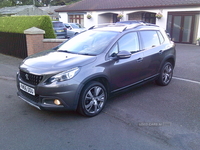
x=87, y=54
x=66, y=51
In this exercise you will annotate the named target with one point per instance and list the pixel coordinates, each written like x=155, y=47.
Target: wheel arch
x=170, y=59
x=99, y=78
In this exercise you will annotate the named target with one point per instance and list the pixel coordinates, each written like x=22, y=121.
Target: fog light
x=57, y=102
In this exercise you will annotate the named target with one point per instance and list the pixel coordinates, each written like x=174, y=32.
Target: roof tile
x=90, y=5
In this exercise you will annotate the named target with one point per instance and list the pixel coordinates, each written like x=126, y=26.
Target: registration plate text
x=27, y=89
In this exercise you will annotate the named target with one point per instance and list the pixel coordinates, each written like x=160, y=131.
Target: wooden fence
x=23, y=45
x=13, y=44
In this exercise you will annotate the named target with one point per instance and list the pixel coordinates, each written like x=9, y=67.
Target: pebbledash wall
x=36, y=42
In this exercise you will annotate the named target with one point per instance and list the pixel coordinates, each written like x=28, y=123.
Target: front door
x=181, y=27
x=124, y=72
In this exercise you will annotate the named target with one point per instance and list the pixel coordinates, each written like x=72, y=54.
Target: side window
x=160, y=37
x=129, y=42
x=150, y=39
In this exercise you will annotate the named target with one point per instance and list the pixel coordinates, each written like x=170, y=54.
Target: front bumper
x=66, y=92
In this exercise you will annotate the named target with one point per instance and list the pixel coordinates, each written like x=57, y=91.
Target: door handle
x=139, y=59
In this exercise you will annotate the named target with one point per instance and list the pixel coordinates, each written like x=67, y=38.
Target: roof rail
x=116, y=27
x=135, y=25
x=121, y=26
x=101, y=25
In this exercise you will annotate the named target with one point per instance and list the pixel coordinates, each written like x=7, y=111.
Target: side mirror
x=123, y=55
x=68, y=27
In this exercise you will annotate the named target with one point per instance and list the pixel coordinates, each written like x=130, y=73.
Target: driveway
x=171, y=113
x=143, y=118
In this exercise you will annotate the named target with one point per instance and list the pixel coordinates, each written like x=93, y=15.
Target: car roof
x=56, y=21
x=71, y=23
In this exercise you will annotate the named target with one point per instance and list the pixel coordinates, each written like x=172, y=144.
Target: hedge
x=17, y=24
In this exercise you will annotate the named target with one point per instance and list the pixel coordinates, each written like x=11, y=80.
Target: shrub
x=17, y=24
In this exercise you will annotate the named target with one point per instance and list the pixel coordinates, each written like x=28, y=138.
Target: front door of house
x=181, y=27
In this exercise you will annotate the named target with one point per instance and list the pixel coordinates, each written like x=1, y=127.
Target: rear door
x=153, y=52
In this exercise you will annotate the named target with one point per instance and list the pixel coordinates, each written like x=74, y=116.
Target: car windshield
x=88, y=43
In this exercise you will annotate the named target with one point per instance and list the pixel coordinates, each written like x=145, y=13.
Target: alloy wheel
x=167, y=74
x=94, y=99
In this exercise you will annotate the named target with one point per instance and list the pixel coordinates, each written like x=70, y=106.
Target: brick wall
x=50, y=43
x=36, y=42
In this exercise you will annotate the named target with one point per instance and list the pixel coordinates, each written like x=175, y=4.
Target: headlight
x=63, y=76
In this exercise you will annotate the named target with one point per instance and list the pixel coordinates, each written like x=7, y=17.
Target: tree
x=4, y=3
x=7, y=3
x=58, y=2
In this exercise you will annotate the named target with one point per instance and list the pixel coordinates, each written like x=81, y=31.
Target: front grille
x=30, y=78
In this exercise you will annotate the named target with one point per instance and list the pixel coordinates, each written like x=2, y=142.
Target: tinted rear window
x=58, y=24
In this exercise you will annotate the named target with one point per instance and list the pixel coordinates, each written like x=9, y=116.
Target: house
x=50, y=10
x=181, y=18
x=22, y=10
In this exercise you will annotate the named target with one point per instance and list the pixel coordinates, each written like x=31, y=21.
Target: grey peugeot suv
x=81, y=73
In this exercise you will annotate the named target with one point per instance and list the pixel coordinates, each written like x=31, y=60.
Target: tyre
x=92, y=100
x=166, y=74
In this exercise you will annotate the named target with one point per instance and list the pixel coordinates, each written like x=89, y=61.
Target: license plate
x=27, y=89
x=60, y=30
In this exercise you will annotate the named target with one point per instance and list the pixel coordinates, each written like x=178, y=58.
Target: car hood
x=51, y=61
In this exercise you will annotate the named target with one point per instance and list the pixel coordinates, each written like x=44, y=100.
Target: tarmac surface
x=143, y=118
